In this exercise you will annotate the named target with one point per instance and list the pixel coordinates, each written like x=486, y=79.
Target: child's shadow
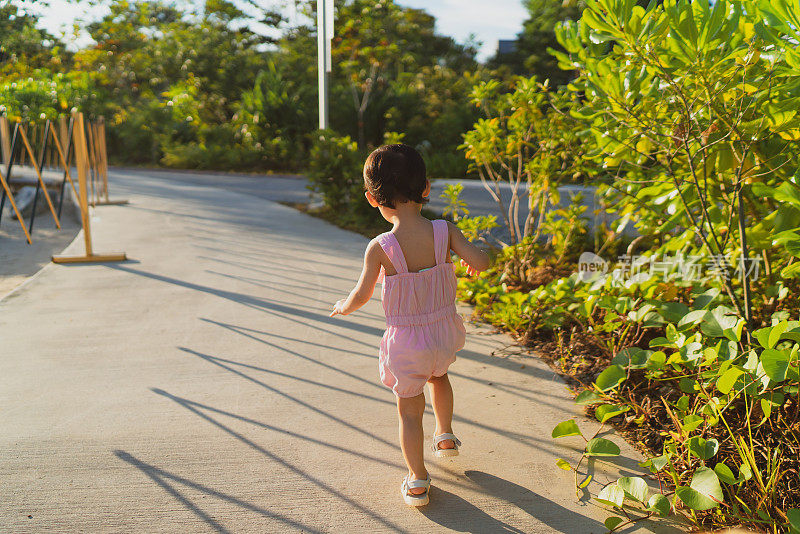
x=455, y=513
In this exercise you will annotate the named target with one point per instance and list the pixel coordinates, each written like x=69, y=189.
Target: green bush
x=725, y=411
x=335, y=173
x=526, y=141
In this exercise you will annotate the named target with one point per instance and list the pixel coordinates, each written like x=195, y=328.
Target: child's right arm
x=473, y=256
x=365, y=286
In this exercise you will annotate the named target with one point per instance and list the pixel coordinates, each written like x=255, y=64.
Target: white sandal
x=443, y=453
x=412, y=499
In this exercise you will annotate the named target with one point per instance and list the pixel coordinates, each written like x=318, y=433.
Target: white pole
x=329, y=16
x=323, y=55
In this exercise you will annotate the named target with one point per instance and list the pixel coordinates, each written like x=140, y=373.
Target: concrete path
x=201, y=387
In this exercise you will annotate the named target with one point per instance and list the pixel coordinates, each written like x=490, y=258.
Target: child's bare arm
x=469, y=253
x=361, y=294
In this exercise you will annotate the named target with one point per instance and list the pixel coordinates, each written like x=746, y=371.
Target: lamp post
x=324, y=36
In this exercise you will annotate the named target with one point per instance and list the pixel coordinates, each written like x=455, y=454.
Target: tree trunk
x=362, y=141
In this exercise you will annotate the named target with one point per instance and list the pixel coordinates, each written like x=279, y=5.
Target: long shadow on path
x=163, y=478
x=454, y=513
x=266, y=305
x=297, y=471
x=231, y=366
x=555, y=516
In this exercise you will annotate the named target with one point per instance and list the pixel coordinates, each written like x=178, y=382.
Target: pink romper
x=423, y=329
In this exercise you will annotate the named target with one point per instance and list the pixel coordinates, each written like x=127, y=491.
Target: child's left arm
x=361, y=294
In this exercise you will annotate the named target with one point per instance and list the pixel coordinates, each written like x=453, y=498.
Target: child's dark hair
x=395, y=173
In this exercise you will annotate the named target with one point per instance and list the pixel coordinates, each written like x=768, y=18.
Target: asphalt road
x=293, y=188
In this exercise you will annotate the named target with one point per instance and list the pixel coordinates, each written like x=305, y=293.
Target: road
x=294, y=188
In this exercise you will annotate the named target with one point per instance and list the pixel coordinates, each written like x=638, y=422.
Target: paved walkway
x=202, y=387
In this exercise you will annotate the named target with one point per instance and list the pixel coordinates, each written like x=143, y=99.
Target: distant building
x=506, y=46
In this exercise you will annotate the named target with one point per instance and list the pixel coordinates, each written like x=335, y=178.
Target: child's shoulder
x=451, y=228
x=378, y=240
x=375, y=248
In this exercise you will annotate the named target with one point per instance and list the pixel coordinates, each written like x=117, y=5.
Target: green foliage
x=23, y=46
x=610, y=378
x=727, y=391
x=431, y=105
x=704, y=491
x=43, y=94
x=608, y=411
x=696, y=122
x=794, y=519
x=476, y=228
x=527, y=139
x=565, y=229
x=375, y=43
x=634, y=487
x=566, y=428
x=393, y=138
x=334, y=170
x=455, y=207
x=277, y=110
x=197, y=87
x=611, y=495
x=172, y=81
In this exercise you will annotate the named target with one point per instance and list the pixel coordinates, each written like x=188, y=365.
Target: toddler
x=423, y=329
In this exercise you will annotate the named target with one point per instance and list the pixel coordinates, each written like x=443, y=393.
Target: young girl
x=423, y=329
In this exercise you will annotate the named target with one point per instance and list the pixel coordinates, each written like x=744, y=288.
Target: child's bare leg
x=410, y=412
x=442, y=401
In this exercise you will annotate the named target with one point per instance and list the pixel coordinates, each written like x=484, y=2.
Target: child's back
x=424, y=331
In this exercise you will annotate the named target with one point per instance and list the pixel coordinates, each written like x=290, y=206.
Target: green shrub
x=335, y=172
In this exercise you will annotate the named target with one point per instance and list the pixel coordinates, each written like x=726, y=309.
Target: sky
x=456, y=18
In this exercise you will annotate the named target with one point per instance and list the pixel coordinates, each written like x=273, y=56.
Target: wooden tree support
x=14, y=205
x=35, y=165
x=101, y=163
x=82, y=161
x=63, y=160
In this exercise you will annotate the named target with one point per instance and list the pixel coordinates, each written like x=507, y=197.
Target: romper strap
x=441, y=240
x=391, y=247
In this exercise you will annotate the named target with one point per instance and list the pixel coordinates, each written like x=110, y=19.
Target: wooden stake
x=101, y=129
x=92, y=164
x=63, y=131
x=5, y=140
x=64, y=162
x=14, y=205
x=103, y=163
x=39, y=175
x=82, y=162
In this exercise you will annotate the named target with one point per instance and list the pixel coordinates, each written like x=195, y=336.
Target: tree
x=375, y=42
x=23, y=46
x=173, y=77
x=431, y=107
x=526, y=139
